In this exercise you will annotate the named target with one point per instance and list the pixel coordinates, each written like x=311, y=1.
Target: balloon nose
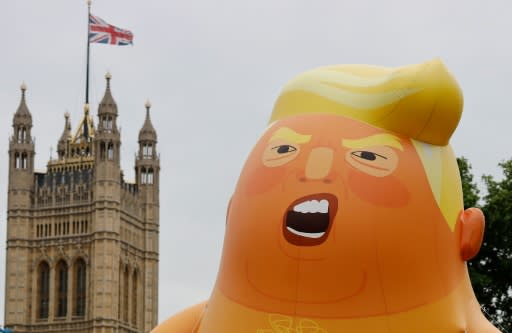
x=319, y=163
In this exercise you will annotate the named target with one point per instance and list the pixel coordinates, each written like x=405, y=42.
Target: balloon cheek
x=261, y=180
x=379, y=191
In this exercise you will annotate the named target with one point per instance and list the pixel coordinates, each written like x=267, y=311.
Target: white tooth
x=324, y=206
x=312, y=206
x=303, y=207
x=306, y=234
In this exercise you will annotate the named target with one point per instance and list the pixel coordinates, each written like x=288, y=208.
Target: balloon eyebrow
x=289, y=135
x=382, y=139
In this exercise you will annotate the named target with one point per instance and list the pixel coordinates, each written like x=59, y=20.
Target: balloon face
x=335, y=218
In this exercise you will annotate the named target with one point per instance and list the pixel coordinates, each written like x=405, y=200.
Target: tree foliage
x=469, y=187
x=491, y=269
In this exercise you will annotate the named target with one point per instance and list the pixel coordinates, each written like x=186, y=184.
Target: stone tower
x=82, y=243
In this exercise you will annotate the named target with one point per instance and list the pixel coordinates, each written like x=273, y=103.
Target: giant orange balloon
x=348, y=213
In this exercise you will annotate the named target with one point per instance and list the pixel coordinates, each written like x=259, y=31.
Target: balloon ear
x=472, y=222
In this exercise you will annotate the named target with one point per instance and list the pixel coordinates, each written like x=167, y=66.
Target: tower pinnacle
x=147, y=132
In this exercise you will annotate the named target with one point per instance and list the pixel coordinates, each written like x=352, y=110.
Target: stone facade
x=82, y=243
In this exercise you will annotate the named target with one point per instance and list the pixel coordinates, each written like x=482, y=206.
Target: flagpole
x=88, y=51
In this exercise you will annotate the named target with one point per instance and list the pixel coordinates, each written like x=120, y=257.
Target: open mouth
x=308, y=220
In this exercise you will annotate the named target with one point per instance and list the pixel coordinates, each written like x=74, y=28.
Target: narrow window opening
x=134, y=298
x=143, y=176
x=125, y=294
x=80, y=288
x=23, y=161
x=147, y=151
x=17, y=163
x=44, y=290
x=150, y=176
x=102, y=151
x=110, y=151
x=62, y=289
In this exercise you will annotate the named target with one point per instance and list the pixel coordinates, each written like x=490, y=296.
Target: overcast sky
x=212, y=70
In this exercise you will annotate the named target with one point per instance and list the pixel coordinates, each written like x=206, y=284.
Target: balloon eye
x=283, y=149
x=368, y=155
x=279, y=153
x=380, y=161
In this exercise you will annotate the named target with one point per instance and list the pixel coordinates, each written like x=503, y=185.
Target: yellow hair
x=374, y=140
x=441, y=168
x=422, y=102
x=289, y=134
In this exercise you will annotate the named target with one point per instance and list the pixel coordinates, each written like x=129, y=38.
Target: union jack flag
x=102, y=32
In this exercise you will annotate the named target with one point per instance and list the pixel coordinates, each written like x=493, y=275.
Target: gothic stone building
x=82, y=243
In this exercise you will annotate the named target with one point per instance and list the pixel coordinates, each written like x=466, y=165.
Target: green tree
x=469, y=187
x=491, y=269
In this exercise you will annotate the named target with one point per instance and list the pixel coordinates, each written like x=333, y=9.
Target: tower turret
x=108, y=139
x=19, y=204
x=107, y=187
x=147, y=163
x=62, y=145
x=22, y=120
x=21, y=149
x=147, y=172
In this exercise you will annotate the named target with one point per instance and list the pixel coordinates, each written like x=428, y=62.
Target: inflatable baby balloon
x=348, y=214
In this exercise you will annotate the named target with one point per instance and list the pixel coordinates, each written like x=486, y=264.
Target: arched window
x=80, y=287
x=126, y=279
x=17, y=161
x=147, y=151
x=61, y=280
x=110, y=151
x=134, y=298
x=143, y=176
x=43, y=290
x=102, y=151
x=24, y=160
x=150, y=176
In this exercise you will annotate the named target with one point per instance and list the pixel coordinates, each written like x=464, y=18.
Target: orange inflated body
x=339, y=223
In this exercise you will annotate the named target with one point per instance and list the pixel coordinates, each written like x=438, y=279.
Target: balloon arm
x=472, y=232
x=476, y=320
x=186, y=321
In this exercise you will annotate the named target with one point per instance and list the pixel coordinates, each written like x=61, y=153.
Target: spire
x=85, y=130
x=147, y=132
x=22, y=115
x=66, y=134
x=107, y=104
